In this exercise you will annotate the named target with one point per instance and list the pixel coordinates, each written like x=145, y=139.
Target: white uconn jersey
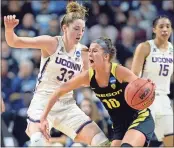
x=159, y=67
x=57, y=69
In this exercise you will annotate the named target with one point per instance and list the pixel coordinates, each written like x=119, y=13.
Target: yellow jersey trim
x=141, y=118
x=91, y=73
x=114, y=66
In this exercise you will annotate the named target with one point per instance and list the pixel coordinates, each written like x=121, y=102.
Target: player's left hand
x=44, y=127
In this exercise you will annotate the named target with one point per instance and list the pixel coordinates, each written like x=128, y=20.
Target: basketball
x=140, y=93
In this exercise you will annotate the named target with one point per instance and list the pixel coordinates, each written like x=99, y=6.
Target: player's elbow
x=59, y=92
x=14, y=43
x=11, y=39
x=11, y=43
x=136, y=73
x=131, y=78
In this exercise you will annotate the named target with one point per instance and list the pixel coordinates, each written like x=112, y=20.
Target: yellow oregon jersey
x=112, y=96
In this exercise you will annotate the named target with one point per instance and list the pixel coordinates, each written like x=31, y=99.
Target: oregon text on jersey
x=113, y=94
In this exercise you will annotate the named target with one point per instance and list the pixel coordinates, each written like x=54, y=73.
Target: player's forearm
x=50, y=104
x=136, y=69
x=11, y=37
x=137, y=73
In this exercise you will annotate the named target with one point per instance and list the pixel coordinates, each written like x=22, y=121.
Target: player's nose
x=164, y=29
x=90, y=54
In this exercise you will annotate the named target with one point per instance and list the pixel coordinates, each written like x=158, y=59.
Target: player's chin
x=91, y=65
x=77, y=40
x=165, y=37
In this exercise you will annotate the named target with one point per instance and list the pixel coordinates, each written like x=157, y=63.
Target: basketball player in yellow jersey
x=61, y=60
x=108, y=81
x=154, y=59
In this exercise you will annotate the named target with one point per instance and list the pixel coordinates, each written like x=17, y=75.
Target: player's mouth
x=78, y=38
x=91, y=61
x=164, y=34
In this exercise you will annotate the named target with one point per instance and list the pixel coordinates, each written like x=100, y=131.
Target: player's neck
x=161, y=44
x=102, y=74
x=69, y=47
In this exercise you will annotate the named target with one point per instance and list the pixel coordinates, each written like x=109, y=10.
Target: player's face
x=163, y=29
x=75, y=31
x=96, y=55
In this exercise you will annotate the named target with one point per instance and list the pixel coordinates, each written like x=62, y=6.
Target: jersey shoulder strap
x=113, y=69
x=91, y=73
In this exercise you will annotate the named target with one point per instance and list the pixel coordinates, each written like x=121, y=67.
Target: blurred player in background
x=61, y=60
x=2, y=110
x=2, y=105
x=154, y=58
x=107, y=80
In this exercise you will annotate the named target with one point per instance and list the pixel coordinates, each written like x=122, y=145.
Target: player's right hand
x=44, y=127
x=10, y=22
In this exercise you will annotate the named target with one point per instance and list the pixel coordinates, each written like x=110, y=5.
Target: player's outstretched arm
x=44, y=42
x=141, y=52
x=124, y=74
x=74, y=83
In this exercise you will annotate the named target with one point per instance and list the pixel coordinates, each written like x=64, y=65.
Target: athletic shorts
x=142, y=122
x=162, y=113
x=66, y=116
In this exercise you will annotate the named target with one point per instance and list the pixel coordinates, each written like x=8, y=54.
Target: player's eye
x=76, y=29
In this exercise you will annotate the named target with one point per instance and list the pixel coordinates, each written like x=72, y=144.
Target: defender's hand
x=10, y=22
x=44, y=127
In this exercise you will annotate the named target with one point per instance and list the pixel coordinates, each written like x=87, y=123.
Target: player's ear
x=106, y=56
x=64, y=28
x=154, y=30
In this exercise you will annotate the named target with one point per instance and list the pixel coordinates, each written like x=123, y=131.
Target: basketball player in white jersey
x=60, y=61
x=154, y=60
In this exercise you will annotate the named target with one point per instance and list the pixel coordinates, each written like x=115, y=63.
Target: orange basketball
x=140, y=93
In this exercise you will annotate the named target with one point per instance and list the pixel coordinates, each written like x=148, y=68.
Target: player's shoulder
x=57, y=39
x=83, y=47
x=144, y=45
x=170, y=45
x=46, y=39
x=143, y=48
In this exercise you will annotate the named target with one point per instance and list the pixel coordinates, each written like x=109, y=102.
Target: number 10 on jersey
x=111, y=103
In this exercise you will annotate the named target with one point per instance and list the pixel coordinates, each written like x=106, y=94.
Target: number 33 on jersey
x=58, y=68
